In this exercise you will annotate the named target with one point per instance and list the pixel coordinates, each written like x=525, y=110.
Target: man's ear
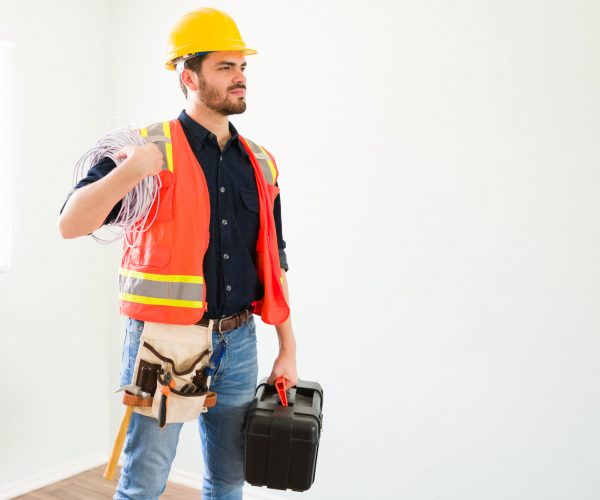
x=189, y=79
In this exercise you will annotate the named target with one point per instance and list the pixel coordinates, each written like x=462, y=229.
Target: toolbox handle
x=283, y=397
x=280, y=386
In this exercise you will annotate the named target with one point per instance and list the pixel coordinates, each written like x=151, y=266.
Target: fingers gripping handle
x=280, y=386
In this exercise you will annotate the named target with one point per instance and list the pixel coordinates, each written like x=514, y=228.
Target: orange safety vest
x=161, y=277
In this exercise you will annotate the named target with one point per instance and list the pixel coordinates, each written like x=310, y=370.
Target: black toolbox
x=282, y=441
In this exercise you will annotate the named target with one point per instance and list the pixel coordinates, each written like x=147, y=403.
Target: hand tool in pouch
x=201, y=378
x=165, y=392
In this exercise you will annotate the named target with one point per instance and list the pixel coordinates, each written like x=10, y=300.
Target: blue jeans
x=149, y=450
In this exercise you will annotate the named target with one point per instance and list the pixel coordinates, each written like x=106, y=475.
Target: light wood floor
x=90, y=485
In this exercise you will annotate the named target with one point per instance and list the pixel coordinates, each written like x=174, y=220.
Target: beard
x=211, y=98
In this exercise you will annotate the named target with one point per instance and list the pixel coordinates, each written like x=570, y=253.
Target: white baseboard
x=22, y=486
x=185, y=478
x=193, y=480
x=256, y=493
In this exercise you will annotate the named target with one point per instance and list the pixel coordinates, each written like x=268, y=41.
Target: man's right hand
x=88, y=206
x=144, y=160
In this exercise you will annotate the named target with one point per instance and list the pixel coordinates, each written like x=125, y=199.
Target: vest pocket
x=165, y=202
x=145, y=256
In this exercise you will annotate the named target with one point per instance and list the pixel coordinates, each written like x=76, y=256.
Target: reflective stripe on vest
x=166, y=297
x=160, y=134
x=174, y=290
x=160, y=289
x=264, y=160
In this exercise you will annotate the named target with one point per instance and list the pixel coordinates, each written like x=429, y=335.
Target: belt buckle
x=238, y=319
x=219, y=325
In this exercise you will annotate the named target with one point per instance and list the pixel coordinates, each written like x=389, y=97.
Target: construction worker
x=208, y=55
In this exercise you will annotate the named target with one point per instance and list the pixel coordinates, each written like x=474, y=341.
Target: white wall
x=56, y=315
x=440, y=196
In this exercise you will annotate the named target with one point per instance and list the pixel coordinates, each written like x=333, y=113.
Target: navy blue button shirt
x=230, y=262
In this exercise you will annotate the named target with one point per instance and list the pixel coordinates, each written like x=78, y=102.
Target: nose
x=239, y=77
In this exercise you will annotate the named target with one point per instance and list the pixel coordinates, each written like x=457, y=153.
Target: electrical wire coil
x=132, y=219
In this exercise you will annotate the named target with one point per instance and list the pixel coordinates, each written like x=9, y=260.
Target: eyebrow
x=229, y=63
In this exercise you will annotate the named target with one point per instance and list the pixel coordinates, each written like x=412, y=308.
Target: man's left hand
x=284, y=366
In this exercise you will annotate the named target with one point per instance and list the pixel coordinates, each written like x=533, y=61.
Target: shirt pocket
x=249, y=200
x=247, y=217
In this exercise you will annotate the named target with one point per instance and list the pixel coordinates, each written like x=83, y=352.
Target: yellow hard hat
x=204, y=30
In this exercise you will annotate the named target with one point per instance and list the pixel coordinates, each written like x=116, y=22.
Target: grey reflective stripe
x=161, y=289
x=262, y=158
x=254, y=147
x=157, y=138
x=156, y=135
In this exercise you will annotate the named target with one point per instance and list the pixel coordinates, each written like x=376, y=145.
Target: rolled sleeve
x=283, y=260
x=97, y=172
x=281, y=245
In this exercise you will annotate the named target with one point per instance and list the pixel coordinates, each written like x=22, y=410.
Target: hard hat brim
x=171, y=62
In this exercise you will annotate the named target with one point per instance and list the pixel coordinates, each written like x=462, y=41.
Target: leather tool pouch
x=184, y=352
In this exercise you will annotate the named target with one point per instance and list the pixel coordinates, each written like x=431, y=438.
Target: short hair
x=193, y=64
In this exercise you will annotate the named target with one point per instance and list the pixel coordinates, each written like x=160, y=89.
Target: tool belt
x=170, y=372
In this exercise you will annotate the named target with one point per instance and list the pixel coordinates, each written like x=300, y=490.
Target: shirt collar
x=198, y=133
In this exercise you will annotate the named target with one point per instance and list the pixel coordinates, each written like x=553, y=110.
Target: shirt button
x=224, y=222
x=228, y=288
x=222, y=189
x=226, y=256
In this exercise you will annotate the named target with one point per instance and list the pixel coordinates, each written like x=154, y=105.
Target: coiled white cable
x=132, y=219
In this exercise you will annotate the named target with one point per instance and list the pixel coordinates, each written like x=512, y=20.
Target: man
x=208, y=53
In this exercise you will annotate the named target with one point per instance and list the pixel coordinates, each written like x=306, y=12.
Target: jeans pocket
x=131, y=344
x=218, y=370
x=134, y=334
x=251, y=327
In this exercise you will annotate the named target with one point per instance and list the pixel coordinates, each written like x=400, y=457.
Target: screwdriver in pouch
x=165, y=392
x=201, y=379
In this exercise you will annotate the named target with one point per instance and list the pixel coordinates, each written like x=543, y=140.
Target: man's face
x=222, y=84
